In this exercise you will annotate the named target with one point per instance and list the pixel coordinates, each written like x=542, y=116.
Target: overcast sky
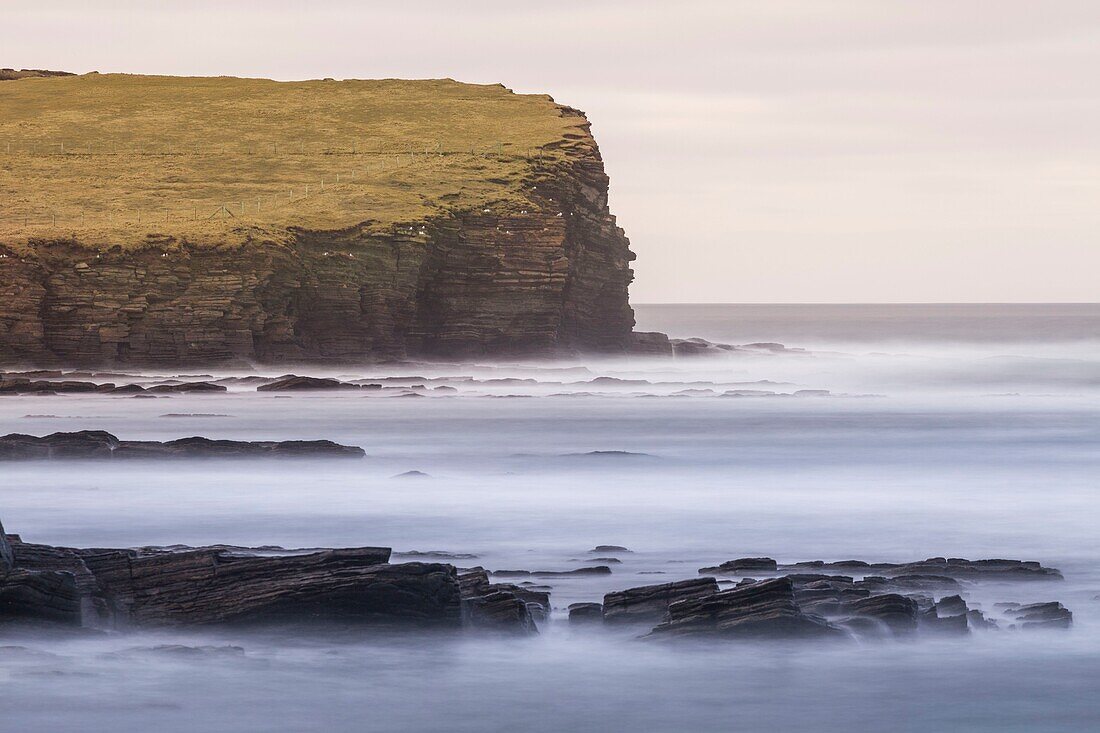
x=764, y=151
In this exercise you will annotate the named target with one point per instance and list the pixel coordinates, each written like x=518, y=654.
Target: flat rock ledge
x=117, y=589
x=101, y=445
x=943, y=567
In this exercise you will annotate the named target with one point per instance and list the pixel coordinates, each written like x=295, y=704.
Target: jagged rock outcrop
x=152, y=587
x=429, y=266
x=500, y=607
x=764, y=609
x=651, y=602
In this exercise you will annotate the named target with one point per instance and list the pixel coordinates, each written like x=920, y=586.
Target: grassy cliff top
x=117, y=159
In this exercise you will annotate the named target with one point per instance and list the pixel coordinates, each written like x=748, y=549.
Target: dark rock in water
x=766, y=609
x=957, y=624
x=207, y=587
x=1042, y=615
x=7, y=558
x=650, y=602
x=977, y=620
x=182, y=650
x=502, y=607
x=499, y=610
x=128, y=389
x=611, y=454
x=97, y=444
x=187, y=387
x=438, y=555
x=412, y=474
x=18, y=385
x=979, y=569
x=742, y=565
x=951, y=606
x=585, y=613
x=649, y=343
x=313, y=448
x=191, y=586
x=472, y=581
x=83, y=444
x=826, y=596
x=41, y=596
x=896, y=612
x=294, y=382
x=955, y=568
x=910, y=582
x=595, y=570
x=609, y=549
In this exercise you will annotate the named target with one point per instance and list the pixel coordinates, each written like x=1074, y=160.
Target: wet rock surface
x=157, y=587
x=500, y=607
x=223, y=584
x=585, y=613
x=765, y=609
x=98, y=444
x=651, y=602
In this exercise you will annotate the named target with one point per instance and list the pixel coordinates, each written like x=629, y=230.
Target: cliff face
x=544, y=270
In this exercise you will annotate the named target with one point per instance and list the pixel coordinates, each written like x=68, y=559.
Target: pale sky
x=763, y=151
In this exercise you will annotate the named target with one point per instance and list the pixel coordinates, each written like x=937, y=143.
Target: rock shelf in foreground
x=101, y=445
x=165, y=587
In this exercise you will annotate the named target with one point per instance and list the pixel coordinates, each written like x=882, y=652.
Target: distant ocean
x=823, y=325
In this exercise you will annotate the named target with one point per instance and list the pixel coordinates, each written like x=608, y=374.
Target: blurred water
x=971, y=447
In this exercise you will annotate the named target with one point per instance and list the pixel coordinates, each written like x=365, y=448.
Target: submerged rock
x=940, y=567
x=651, y=602
x=293, y=382
x=187, y=387
x=97, y=444
x=742, y=565
x=594, y=570
x=19, y=385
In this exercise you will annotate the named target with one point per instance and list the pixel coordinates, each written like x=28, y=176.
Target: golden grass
x=118, y=159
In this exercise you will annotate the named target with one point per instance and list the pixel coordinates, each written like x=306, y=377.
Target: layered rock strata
x=157, y=587
x=478, y=249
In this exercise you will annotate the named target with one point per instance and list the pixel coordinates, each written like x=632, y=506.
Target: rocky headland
x=318, y=220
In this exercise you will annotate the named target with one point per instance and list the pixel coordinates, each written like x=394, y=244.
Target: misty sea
x=832, y=432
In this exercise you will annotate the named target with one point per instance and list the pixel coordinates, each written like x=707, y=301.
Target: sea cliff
x=164, y=220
